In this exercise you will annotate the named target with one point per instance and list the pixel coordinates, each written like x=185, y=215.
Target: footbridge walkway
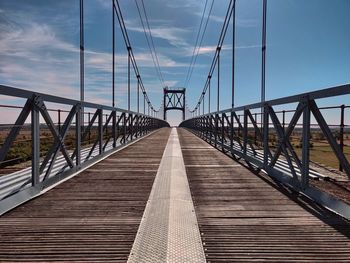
x=172, y=197
x=87, y=182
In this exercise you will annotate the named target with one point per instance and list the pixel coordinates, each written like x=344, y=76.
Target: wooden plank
x=244, y=217
x=92, y=217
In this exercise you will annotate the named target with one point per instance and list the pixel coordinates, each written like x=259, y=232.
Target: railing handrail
x=27, y=94
x=319, y=94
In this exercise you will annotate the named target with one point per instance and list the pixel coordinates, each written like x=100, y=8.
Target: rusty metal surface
x=91, y=217
x=245, y=217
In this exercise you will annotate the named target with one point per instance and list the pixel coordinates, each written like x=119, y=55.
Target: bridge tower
x=174, y=99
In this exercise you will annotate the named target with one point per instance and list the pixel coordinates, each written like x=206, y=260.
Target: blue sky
x=308, y=47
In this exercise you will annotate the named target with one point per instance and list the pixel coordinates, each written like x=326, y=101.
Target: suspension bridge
x=108, y=184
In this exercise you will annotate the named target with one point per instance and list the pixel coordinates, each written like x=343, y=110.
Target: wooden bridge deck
x=91, y=217
x=245, y=217
x=242, y=216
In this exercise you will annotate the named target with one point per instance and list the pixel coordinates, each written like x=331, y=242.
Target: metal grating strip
x=169, y=231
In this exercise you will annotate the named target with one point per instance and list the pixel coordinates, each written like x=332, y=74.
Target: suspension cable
x=195, y=45
x=152, y=42
x=200, y=43
x=127, y=42
x=228, y=16
x=152, y=50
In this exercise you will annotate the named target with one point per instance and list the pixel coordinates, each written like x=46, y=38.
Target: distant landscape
x=19, y=155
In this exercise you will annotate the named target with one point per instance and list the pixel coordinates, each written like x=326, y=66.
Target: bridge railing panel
x=62, y=137
x=282, y=137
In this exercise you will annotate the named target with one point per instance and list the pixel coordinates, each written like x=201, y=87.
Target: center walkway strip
x=169, y=231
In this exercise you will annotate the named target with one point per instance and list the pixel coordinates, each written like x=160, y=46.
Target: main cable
x=200, y=43
x=128, y=45
x=152, y=51
x=218, y=49
x=152, y=42
x=195, y=45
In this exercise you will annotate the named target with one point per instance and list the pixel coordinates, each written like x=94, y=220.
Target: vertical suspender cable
x=81, y=7
x=218, y=97
x=138, y=93
x=113, y=54
x=233, y=52
x=209, y=77
x=216, y=58
x=129, y=77
x=264, y=112
x=263, y=53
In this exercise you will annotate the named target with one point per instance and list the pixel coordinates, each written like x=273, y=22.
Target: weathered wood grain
x=245, y=217
x=91, y=217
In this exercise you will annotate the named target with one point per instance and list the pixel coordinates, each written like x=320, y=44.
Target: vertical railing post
x=35, y=129
x=137, y=124
x=222, y=131
x=255, y=135
x=231, y=131
x=144, y=103
x=216, y=128
x=106, y=126
x=114, y=123
x=59, y=120
x=265, y=124
x=89, y=117
x=100, y=131
x=124, y=133
x=164, y=103
x=341, y=133
x=131, y=126
x=239, y=126
x=306, y=148
x=78, y=133
x=245, y=131
x=203, y=126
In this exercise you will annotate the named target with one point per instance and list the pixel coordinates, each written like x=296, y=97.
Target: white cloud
x=214, y=18
x=185, y=4
x=33, y=37
x=247, y=46
x=205, y=50
x=174, y=35
x=33, y=57
x=246, y=22
x=104, y=3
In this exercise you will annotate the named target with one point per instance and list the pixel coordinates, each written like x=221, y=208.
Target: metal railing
x=95, y=131
x=263, y=139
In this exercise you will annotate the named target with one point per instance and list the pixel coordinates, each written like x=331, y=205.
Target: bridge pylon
x=174, y=99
